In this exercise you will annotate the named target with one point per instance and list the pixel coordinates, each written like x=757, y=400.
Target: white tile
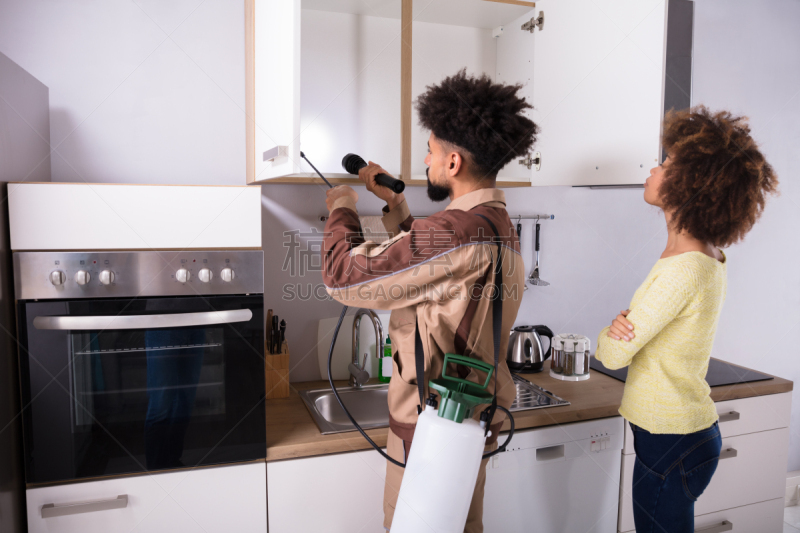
x=789, y=529
x=791, y=515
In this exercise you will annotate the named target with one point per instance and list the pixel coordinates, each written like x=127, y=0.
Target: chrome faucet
x=358, y=375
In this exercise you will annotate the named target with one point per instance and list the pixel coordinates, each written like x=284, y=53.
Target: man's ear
x=455, y=163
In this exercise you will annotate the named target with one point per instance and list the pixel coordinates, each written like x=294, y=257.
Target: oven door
x=119, y=386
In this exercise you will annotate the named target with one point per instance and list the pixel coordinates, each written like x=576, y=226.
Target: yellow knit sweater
x=675, y=314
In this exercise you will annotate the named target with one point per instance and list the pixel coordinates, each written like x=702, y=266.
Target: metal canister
x=557, y=356
x=570, y=357
x=579, y=366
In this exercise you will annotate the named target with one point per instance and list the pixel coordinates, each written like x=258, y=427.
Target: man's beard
x=437, y=193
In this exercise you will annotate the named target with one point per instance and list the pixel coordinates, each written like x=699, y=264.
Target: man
x=436, y=274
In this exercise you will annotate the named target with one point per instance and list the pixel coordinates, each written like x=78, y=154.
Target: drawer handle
x=50, y=510
x=730, y=453
x=550, y=453
x=729, y=417
x=724, y=526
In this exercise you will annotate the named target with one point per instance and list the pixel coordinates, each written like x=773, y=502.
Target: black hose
x=338, y=399
x=499, y=449
x=502, y=448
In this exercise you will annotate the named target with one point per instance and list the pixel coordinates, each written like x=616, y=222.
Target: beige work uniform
x=434, y=273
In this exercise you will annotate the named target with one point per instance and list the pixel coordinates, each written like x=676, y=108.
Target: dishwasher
x=557, y=479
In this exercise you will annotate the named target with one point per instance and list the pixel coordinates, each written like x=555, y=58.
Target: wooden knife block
x=276, y=374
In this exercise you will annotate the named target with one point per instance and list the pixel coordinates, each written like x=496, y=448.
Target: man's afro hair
x=482, y=117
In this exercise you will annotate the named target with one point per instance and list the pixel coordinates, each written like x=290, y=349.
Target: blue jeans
x=670, y=473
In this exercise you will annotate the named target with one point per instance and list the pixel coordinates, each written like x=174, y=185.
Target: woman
x=712, y=188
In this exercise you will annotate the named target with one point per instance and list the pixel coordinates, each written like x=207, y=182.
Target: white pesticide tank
x=440, y=475
x=445, y=457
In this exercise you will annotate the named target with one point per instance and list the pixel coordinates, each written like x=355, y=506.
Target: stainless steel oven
x=139, y=361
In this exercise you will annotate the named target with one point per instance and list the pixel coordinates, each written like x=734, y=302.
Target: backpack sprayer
x=448, y=442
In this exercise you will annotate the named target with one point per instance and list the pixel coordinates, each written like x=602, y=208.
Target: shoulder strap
x=419, y=362
x=497, y=313
x=497, y=325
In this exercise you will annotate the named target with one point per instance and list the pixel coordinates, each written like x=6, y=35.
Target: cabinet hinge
x=529, y=161
x=536, y=22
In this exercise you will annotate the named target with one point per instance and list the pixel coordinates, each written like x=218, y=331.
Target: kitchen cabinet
x=555, y=478
x=748, y=486
x=212, y=500
x=333, y=493
x=133, y=217
x=337, y=76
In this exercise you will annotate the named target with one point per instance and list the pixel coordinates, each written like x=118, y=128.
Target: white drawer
x=756, y=474
x=745, y=415
x=210, y=500
x=764, y=517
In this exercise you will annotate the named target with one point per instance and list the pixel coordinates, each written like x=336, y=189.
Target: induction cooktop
x=719, y=373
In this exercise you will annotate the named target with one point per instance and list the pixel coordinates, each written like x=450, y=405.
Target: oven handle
x=177, y=320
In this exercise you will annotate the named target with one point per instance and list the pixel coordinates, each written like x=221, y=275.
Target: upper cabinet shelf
x=332, y=77
x=487, y=14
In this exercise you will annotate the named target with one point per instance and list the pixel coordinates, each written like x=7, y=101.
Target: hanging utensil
x=519, y=238
x=534, y=278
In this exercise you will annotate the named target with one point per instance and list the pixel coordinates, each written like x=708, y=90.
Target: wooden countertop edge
x=298, y=435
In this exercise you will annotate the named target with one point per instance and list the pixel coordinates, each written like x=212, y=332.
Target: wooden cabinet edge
x=514, y=2
x=249, y=90
x=306, y=180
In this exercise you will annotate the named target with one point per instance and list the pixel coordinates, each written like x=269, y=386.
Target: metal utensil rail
x=542, y=218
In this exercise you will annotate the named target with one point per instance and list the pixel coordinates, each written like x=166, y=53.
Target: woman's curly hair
x=717, y=180
x=480, y=117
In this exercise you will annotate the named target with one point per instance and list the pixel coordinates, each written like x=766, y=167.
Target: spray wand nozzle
x=315, y=170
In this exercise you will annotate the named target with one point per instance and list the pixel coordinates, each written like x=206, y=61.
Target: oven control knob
x=183, y=275
x=106, y=277
x=227, y=274
x=57, y=277
x=82, y=277
x=205, y=275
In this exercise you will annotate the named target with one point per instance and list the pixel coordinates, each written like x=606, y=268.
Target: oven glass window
x=134, y=400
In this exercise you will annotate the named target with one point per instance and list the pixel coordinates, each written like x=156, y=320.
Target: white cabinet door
x=341, y=493
x=597, y=90
x=515, y=65
x=210, y=500
x=273, y=75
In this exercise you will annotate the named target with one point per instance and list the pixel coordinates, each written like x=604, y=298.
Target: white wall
x=752, y=69
x=170, y=110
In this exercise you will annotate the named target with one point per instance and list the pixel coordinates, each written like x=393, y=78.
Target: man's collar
x=479, y=197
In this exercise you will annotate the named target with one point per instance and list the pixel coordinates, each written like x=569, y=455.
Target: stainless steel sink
x=368, y=406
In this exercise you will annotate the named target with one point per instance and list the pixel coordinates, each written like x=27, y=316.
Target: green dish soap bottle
x=385, y=366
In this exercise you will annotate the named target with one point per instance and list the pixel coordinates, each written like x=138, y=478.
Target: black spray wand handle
x=315, y=170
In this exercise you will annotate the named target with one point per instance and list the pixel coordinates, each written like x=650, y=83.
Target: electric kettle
x=525, y=352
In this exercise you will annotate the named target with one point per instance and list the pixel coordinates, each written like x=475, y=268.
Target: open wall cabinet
x=333, y=77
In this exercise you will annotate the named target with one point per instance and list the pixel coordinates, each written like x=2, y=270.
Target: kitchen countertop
x=292, y=433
